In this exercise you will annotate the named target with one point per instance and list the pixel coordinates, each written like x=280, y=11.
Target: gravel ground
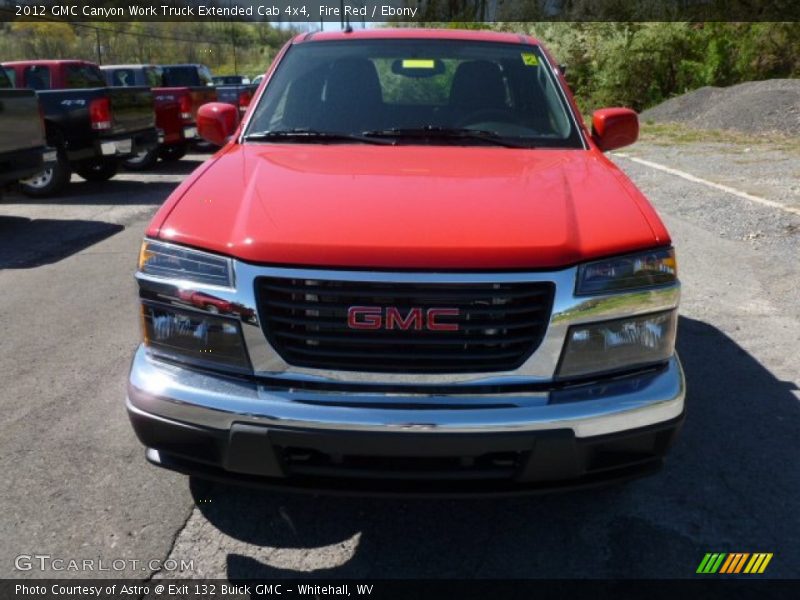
x=753, y=107
x=740, y=316
x=757, y=169
x=77, y=484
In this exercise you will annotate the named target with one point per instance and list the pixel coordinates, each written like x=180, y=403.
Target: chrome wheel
x=138, y=158
x=41, y=180
x=49, y=181
x=141, y=161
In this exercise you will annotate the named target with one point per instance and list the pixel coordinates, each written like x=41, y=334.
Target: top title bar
x=414, y=11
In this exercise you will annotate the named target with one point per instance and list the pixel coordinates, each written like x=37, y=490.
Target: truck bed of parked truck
x=22, y=145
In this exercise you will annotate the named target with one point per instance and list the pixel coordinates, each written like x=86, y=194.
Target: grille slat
x=393, y=292
x=386, y=338
x=474, y=355
x=341, y=308
x=471, y=325
x=499, y=324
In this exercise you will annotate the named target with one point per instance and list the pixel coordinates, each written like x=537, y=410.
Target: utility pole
x=233, y=44
x=97, y=46
x=235, y=63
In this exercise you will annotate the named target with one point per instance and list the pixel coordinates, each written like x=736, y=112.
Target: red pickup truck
x=176, y=110
x=411, y=266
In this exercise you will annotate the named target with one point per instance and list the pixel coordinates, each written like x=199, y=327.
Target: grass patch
x=669, y=134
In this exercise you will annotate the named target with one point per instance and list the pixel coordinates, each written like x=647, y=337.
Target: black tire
x=173, y=152
x=48, y=182
x=101, y=170
x=142, y=161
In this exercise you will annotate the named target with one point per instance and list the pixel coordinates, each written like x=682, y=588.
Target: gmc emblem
x=376, y=317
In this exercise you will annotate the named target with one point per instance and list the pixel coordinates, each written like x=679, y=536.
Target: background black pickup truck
x=22, y=142
x=196, y=75
x=93, y=127
x=239, y=95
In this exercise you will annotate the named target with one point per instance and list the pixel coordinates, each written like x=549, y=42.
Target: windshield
x=418, y=92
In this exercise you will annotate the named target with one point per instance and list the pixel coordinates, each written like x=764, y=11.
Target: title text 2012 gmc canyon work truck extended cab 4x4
x=93, y=127
x=409, y=267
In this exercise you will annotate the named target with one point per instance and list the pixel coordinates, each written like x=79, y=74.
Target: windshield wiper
x=312, y=136
x=445, y=133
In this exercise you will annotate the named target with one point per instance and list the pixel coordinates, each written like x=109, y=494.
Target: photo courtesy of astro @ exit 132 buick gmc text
x=485, y=297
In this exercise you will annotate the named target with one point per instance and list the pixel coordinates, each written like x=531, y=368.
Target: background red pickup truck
x=175, y=106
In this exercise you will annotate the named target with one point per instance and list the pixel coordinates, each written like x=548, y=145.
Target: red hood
x=429, y=207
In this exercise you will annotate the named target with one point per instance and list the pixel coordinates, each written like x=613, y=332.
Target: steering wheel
x=485, y=114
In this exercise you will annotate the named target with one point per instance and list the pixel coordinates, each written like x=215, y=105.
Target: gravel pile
x=753, y=107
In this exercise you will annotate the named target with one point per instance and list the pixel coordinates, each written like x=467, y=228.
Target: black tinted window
x=152, y=77
x=5, y=82
x=123, y=78
x=205, y=76
x=228, y=80
x=37, y=77
x=84, y=76
x=182, y=76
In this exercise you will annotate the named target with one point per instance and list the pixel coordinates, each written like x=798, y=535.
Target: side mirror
x=216, y=122
x=614, y=128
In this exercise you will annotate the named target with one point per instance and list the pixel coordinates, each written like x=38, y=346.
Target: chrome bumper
x=167, y=392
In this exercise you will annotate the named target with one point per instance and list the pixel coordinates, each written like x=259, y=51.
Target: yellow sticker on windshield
x=418, y=63
x=529, y=59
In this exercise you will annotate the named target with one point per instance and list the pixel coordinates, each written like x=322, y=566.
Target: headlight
x=622, y=343
x=194, y=337
x=184, y=264
x=644, y=269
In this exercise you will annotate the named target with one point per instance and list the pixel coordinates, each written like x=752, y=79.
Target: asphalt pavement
x=77, y=484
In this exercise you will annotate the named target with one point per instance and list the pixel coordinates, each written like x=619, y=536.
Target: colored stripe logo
x=734, y=562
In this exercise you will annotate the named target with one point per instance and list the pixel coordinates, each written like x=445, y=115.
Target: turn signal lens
x=244, y=99
x=185, y=105
x=634, y=271
x=100, y=114
x=171, y=261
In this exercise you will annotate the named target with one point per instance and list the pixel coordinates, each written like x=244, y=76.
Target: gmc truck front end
x=409, y=268
x=438, y=382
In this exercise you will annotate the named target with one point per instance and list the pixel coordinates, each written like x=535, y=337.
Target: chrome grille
x=499, y=324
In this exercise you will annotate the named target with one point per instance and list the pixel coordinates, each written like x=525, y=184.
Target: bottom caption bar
x=109, y=589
